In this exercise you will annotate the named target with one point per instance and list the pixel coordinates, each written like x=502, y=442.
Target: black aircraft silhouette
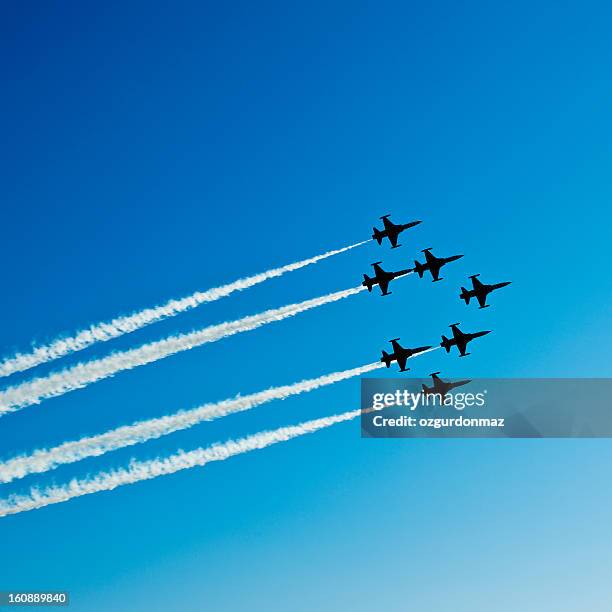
x=401, y=354
x=441, y=387
x=391, y=231
x=382, y=278
x=480, y=291
x=460, y=339
x=433, y=264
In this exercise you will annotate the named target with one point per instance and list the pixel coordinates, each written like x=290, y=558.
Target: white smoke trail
x=146, y=470
x=101, y=332
x=78, y=376
x=46, y=459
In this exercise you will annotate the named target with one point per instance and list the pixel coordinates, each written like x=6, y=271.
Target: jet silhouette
x=382, y=278
x=480, y=291
x=433, y=264
x=401, y=354
x=460, y=339
x=391, y=231
x=441, y=387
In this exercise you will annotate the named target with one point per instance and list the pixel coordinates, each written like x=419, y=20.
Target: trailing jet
x=391, y=231
x=433, y=264
x=460, y=339
x=401, y=354
x=382, y=278
x=441, y=387
x=480, y=291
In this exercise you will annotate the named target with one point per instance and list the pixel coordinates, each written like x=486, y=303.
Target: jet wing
x=429, y=257
x=384, y=285
x=434, y=268
x=393, y=236
x=462, y=346
x=476, y=284
x=433, y=389
x=397, y=349
x=457, y=333
x=389, y=225
x=401, y=361
x=482, y=299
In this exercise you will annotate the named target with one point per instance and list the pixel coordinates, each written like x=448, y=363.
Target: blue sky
x=152, y=150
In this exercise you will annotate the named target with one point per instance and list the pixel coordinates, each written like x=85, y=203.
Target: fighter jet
x=460, y=339
x=401, y=354
x=480, y=291
x=433, y=264
x=442, y=387
x=381, y=278
x=391, y=231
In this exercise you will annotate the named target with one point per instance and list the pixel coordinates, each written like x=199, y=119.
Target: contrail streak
x=43, y=460
x=46, y=459
x=83, y=374
x=146, y=470
x=101, y=332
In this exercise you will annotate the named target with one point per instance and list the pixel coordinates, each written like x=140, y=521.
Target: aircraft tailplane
x=377, y=235
x=465, y=295
x=386, y=359
x=446, y=344
x=418, y=268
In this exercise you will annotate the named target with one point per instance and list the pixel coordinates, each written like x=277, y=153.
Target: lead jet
x=480, y=291
x=433, y=264
x=401, y=354
x=382, y=278
x=441, y=387
x=460, y=339
x=391, y=231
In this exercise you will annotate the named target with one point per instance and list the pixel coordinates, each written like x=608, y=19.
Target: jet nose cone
x=488, y=331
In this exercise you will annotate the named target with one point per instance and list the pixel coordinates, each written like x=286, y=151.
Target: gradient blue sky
x=152, y=149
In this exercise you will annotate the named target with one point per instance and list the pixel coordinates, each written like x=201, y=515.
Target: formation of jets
x=433, y=264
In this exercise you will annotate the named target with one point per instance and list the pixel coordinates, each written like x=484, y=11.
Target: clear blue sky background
x=152, y=149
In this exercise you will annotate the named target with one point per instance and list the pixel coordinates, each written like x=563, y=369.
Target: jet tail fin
x=418, y=268
x=386, y=359
x=426, y=389
x=446, y=344
x=367, y=282
x=465, y=296
x=377, y=235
